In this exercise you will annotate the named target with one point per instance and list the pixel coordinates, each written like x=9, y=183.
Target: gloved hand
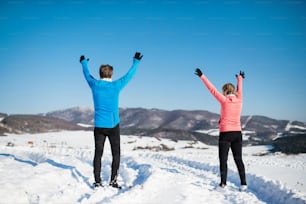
x=82, y=58
x=198, y=72
x=138, y=55
x=241, y=73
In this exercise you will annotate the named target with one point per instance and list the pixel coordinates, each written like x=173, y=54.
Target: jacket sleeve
x=239, y=86
x=220, y=97
x=123, y=81
x=90, y=79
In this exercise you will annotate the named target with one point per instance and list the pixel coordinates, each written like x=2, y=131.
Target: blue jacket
x=106, y=96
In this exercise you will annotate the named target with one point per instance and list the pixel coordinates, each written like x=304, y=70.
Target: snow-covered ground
x=57, y=168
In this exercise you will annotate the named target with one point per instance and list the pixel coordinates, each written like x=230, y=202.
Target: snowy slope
x=57, y=168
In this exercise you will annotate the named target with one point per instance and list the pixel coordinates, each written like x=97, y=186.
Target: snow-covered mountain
x=190, y=120
x=195, y=125
x=75, y=115
x=162, y=123
x=34, y=124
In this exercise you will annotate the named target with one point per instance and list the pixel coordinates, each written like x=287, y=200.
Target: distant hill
x=20, y=124
x=290, y=145
x=75, y=115
x=2, y=115
x=176, y=124
x=183, y=124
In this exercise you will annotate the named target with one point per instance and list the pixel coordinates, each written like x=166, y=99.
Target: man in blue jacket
x=105, y=94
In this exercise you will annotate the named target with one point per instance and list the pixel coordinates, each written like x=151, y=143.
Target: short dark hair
x=106, y=71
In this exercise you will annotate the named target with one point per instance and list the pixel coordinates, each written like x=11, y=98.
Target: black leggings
x=100, y=135
x=231, y=140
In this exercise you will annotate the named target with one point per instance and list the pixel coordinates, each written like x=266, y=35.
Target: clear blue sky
x=41, y=42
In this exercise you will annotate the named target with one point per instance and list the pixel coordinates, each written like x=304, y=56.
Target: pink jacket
x=231, y=106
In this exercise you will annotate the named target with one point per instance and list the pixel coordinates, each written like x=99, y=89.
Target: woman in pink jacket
x=229, y=125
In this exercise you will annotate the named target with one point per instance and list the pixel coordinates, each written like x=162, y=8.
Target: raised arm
x=240, y=78
x=129, y=75
x=220, y=97
x=90, y=79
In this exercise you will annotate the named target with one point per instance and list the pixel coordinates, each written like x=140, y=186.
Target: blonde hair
x=106, y=71
x=229, y=88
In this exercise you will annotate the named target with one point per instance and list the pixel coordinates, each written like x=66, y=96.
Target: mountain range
x=198, y=125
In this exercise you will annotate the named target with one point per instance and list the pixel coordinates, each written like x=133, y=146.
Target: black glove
x=198, y=72
x=82, y=58
x=138, y=55
x=241, y=73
